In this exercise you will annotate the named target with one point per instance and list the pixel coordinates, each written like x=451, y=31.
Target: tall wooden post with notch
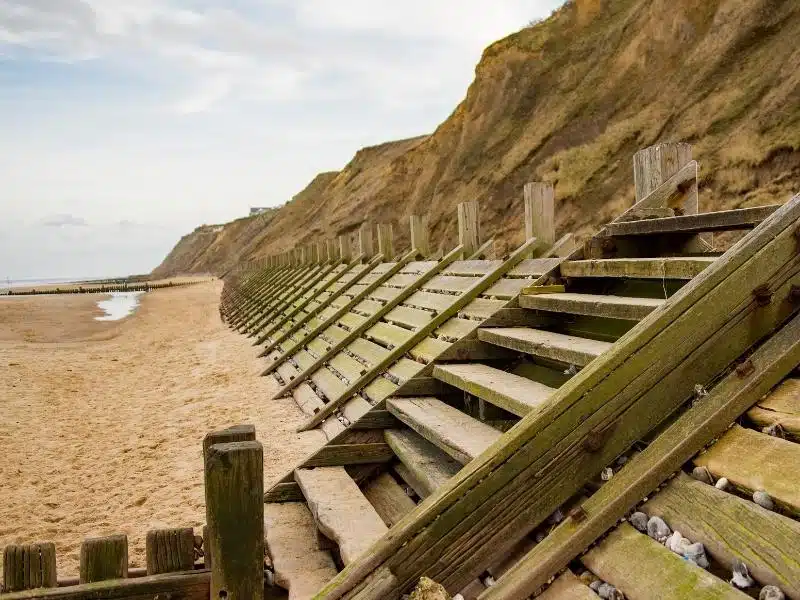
x=539, y=199
x=419, y=234
x=469, y=234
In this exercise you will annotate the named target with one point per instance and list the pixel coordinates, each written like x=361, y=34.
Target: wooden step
x=424, y=467
x=593, y=305
x=340, y=510
x=781, y=407
x=511, y=392
x=546, y=344
x=755, y=461
x=291, y=537
x=567, y=587
x=642, y=568
x=453, y=431
x=388, y=498
x=638, y=268
x=732, y=529
x=724, y=220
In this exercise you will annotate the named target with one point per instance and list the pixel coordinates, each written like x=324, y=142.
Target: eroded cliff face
x=569, y=101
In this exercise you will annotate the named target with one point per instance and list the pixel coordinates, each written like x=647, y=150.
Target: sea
x=115, y=305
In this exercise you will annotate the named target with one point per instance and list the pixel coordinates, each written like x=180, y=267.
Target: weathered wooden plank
x=428, y=349
x=408, y=317
x=377, y=419
x=388, y=499
x=449, y=283
x=104, y=558
x=284, y=492
x=340, y=510
x=705, y=420
x=566, y=587
x=724, y=220
x=534, y=267
x=755, y=461
x=482, y=308
x=547, y=344
x=379, y=389
x=169, y=550
x=388, y=334
x=781, y=407
x=595, y=305
x=506, y=288
x=733, y=529
x=667, y=574
x=642, y=268
x=347, y=366
x=471, y=267
x=436, y=302
x=716, y=311
x=369, y=351
x=453, y=431
x=511, y=392
x=349, y=454
x=291, y=537
x=427, y=468
x=178, y=586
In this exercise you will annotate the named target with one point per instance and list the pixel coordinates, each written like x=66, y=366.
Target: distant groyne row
x=99, y=288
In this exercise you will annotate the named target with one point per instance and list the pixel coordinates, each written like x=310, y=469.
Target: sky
x=125, y=124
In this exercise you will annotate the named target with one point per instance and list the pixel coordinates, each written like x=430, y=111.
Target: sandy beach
x=103, y=421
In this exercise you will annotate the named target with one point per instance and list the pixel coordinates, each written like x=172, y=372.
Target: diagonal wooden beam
x=359, y=331
x=411, y=256
x=281, y=286
x=460, y=302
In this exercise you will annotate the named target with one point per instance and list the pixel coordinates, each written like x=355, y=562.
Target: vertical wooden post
x=419, y=234
x=104, y=558
x=169, y=550
x=234, y=478
x=366, y=244
x=322, y=257
x=331, y=245
x=540, y=212
x=469, y=234
x=386, y=240
x=345, y=249
x=29, y=566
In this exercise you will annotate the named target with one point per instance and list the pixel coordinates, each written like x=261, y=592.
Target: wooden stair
x=422, y=465
x=593, y=305
x=451, y=430
x=546, y=344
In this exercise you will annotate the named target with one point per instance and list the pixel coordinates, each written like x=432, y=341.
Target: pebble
x=622, y=461
x=595, y=585
x=775, y=430
x=763, y=499
x=696, y=553
x=703, y=474
x=722, y=484
x=639, y=521
x=677, y=543
x=771, y=592
x=588, y=578
x=741, y=576
x=658, y=529
x=609, y=592
x=607, y=474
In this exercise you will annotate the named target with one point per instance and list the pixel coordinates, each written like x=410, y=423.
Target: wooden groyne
x=96, y=288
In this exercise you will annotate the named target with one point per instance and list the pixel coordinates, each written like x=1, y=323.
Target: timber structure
x=618, y=418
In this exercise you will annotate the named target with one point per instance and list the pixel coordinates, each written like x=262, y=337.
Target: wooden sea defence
x=97, y=288
x=489, y=420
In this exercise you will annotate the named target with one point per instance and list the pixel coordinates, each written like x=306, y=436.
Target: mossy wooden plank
x=715, y=311
x=733, y=529
x=388, y=334
x=349, y=454
x=626, y=554
x=104, y=558
x=367, y=350
x=707, y=418
x=507, y=288
x=471, y=267
x=379, y=389
x=781, y=407
x=482, y=308
x=612, y=307
x=566, y=587
x=547, y=344
x=511, y=392
x=352, y=320
x=340, y=510
x=404, y=368
x=644, y=268
x=755, y=461
x=368, y=307
x=451, y=430
x=724, y=220
x=355, y=408
x=428, y=349
x=408, y=317
x=386, y=294
x=419, y=266
x=388, y=498
x=449, y=284
x=534, y=267
x=437, y=302
x=347, y=366
x=456, y=328
x=427, y=467
x=328, y=382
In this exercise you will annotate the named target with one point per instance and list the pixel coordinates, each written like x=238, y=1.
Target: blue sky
x=124, y=124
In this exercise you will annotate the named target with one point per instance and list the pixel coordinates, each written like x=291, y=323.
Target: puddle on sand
x=119, y=305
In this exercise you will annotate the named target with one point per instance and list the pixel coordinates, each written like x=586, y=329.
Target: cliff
x=569, y=100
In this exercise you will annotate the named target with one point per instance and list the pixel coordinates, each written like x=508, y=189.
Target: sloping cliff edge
x=568, y=100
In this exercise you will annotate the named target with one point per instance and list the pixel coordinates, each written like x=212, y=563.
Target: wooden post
x=234, y=478
x=469, y=235
x=104, y=558
x=235, y=433
x=29, y=566
x=386, y=240
x=331, y=245
x=169, y=550
x=539, y=212
x=366, y=244
x=345, y=249
x=322, y=256
x=419, y=234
